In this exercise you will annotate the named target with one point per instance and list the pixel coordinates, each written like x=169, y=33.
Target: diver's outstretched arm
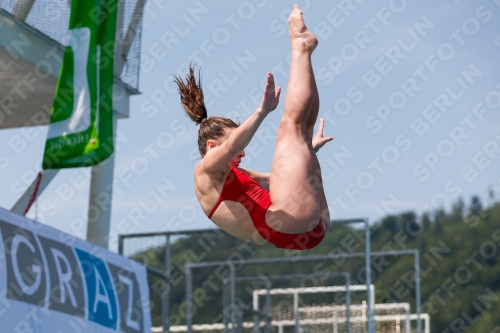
x=218, y=157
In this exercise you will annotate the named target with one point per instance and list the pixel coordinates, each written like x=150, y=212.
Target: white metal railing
x=281, y=323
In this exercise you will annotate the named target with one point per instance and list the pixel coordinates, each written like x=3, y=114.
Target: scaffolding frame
x=267, y=281
x=169, y=234
x=190, y=267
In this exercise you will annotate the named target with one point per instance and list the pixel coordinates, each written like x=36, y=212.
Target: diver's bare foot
x=302, y=39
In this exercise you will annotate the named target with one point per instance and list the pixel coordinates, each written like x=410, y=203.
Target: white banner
x=53, y=282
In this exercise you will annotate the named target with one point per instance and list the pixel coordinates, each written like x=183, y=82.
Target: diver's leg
x=294, y=194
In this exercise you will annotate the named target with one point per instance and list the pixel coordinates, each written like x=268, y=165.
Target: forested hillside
x=459, y=262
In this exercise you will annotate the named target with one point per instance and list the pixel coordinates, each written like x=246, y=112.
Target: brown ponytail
x=194, y=105
x=192, y=96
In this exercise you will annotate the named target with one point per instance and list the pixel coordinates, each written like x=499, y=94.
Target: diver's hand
x=319, y=140
x=271, y=96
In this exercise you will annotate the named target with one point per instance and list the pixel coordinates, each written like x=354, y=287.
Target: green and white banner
x=81, y=124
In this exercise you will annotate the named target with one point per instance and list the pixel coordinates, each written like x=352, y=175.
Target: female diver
x=293, y=214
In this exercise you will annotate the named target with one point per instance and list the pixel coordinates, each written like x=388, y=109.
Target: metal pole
x=199, y=231
x=100, y=197
x=256, y=323
x=164, y=306
x=166, y=297
x=233, y=297
x=120, y=245
x=256, y=327
x=306, y=258
x=371, y=328
x=275, y=260
x=296, y=308
x=21, y=204
x=369, y=322
x=348, y=303
x=189, y=300
x=156, y=272
x=417, y=289
x=171, y=233
x=22, y=9
x=408, y=325
x=225, y=305
x=239, y=319
x=268, y=306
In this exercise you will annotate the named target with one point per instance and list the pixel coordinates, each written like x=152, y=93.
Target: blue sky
x=410, y=91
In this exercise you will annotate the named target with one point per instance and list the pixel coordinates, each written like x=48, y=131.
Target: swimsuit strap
x=223, y=194
x=215, y=207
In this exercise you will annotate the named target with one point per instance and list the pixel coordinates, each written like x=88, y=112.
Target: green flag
x=81, y=124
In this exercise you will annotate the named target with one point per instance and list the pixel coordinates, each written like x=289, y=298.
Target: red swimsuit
x=242, y=188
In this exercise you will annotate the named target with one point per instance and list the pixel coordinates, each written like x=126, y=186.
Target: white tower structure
x=31, y=51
